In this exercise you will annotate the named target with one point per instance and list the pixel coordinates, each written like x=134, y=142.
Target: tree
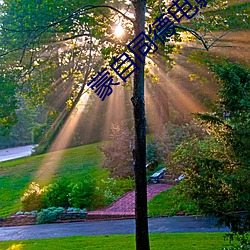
x=8, y=105
x=217, y=168
x=118, y=156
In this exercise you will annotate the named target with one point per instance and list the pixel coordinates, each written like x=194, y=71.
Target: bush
x=81, y=194
x=109, y=189
x=48, y=215
x=33, y=198
x=57, y=193
x=103, y=194
x=243, y=242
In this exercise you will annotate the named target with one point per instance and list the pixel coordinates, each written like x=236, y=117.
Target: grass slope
x=173, y=241
x=16, y=175
x=169, y=202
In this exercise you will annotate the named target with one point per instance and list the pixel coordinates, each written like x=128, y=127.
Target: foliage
x=103, y=193
x=108, y=190
x=48, y=215
x=16, y=175
x=235, y=17
x=73, y=209
x=166, y=141
x=81, y=194
x=118, y=154
x=217, y=168
x=8, y=105
x=33, y=197
x=243, y=242
x=22, y=132
x=95, y=191
x=57, y=193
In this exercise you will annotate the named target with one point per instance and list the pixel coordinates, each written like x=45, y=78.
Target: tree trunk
x=139, y=151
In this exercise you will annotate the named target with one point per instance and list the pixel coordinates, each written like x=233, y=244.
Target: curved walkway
x=125, y=205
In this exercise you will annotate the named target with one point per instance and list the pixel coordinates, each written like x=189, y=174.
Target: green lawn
x=16, y=175
x=169, y=202
x=171, y=241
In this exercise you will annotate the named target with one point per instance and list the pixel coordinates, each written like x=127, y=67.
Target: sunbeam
x=51, y=161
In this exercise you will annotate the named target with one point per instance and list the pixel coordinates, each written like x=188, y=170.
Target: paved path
x=125, y=206
x=14, y=153
x=156, y=225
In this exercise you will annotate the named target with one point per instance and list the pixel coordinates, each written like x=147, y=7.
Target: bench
x=182, y=176
x=155, y=177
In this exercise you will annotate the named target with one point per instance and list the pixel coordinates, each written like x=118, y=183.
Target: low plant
x=48, y=215
x=109, y=189
x=32, y=199
x=103, y=194
x=77, y=210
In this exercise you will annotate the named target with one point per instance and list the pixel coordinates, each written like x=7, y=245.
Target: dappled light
x=15, y=247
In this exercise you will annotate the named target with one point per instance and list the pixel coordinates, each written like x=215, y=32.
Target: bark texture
x=139, y=151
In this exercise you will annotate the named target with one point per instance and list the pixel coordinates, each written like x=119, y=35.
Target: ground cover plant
x=170, y=241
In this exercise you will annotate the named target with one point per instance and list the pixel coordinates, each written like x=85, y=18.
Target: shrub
x=57, y=193
x=242, y=241
x=33, y=197
x=48, y=215
x=109, y=189
x=103, y=194
x=81, y=194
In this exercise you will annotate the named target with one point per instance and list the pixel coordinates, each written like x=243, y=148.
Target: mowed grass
x=169, y=202
x=170, y=241
x=16, y=175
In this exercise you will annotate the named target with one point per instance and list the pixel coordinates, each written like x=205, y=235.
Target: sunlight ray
x=51, y=161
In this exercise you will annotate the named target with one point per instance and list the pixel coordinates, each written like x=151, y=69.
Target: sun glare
x=119, y=31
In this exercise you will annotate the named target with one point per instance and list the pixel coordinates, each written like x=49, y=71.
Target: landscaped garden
x=188, y=125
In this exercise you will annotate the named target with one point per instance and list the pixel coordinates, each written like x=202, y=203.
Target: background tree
x=217, y=168
x=8, y=105
x=118, y=155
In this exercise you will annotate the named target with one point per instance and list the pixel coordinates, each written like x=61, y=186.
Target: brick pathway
x=124, y=207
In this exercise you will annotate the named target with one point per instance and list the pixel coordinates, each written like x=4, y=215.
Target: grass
x=170, y=241
x=16, y=175
x=169, y=203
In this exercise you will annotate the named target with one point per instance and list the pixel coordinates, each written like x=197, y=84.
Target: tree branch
x=42, y=29
x=199, y=37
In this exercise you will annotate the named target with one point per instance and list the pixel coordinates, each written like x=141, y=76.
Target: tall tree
x=139, y=151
